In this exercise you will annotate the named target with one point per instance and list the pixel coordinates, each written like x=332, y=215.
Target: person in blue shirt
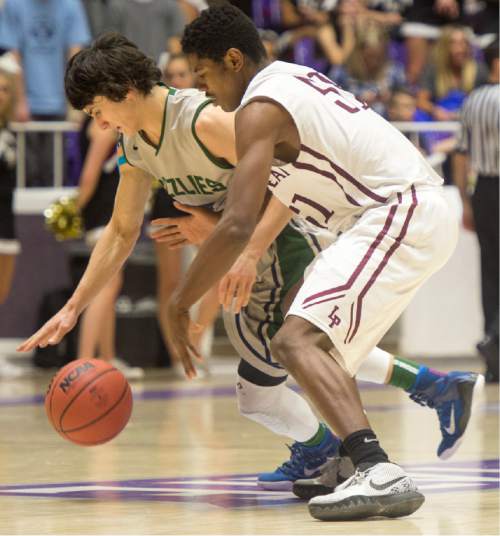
x=43, y=35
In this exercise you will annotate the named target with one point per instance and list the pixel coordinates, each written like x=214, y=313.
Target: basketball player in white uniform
x=188, y=144
x=359, y=178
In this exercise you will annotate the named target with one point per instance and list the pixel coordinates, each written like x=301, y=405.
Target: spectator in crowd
x=177, y=72
x=369, y=74
x=447, y=80
x=96, y=194
x=422, y=26
x=478, y=151
x=97, y=15
x=269, y=39
x=337, y=36
x=451, y=76
x=43, y=35
x=402, y=105
x=9, y=246
x=153, y=25
x=337, y=32
x=191, y=8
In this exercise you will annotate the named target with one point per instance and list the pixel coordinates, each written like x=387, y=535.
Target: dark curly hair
x=109, y=68
x=219, y=28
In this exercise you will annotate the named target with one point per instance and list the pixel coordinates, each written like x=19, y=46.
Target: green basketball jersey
x=184, y=166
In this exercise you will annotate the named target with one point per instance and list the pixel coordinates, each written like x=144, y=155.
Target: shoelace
x=294, y=466
x=356, y=478
x=423, y=400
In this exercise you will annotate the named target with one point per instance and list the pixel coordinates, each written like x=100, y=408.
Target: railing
x=58, y=128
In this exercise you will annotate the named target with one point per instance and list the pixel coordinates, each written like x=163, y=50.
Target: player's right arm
x=108, y=256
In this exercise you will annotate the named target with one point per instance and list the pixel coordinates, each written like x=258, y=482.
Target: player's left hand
x=191, y=229
x=179, y=327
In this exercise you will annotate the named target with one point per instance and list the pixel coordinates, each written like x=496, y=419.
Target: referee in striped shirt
x=478, y=152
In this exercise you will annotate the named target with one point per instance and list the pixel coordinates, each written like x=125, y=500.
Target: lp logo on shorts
x=334, y=319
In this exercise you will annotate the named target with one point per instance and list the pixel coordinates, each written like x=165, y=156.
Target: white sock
x=278, y=408
x=376, y=367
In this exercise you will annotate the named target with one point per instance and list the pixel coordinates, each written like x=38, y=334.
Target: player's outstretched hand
x=178, y=323
x=193, y=228
x=235, y=287
x=53, y=330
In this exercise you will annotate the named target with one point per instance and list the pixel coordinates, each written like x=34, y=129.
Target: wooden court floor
x=186, y=464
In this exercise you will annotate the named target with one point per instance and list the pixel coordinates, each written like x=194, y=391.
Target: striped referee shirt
x=480, y=122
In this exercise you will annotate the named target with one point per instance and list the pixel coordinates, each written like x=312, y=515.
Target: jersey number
x=324, y=85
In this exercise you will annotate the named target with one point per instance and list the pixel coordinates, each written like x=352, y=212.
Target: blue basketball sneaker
x=304, y=462
x=453, y=396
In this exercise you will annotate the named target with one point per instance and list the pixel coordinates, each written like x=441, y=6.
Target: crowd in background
x=409, y=60
x=430, y=50
x=433, y=48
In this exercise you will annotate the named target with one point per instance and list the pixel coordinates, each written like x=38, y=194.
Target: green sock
x=317, y=438
x=404, y=373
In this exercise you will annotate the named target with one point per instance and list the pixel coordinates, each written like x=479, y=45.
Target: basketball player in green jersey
x=187, y=143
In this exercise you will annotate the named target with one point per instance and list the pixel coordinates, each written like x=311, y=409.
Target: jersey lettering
x=278, y=174
x=200, y=186
x=325, y=213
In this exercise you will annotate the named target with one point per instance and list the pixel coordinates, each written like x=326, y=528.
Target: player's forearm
x=274, y=220
x=460, y=169
x=108, y=256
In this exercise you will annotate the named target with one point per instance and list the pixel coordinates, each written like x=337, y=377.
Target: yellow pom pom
x=63, y=220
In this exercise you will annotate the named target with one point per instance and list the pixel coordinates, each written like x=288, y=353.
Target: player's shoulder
x=127, y=150
x=211, y=119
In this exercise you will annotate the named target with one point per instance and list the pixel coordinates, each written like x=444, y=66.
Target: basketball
x=88, y=402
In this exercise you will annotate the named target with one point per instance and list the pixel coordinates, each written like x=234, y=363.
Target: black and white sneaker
x=335, y=471
x=382, y=490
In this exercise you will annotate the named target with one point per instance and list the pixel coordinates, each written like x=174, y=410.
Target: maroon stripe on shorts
x=350, y=323
x=384, y=261
x=328, y=175
x=325, y=300
x=361, y=265
x=361, y=187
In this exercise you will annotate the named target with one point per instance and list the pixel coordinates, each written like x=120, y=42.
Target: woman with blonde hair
x=368, y=73
x=451, y=76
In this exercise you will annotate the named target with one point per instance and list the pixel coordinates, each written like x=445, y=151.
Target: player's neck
x=152, y=112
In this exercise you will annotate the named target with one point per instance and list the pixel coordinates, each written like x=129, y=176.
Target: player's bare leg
x=7, y=264
x=378, y=487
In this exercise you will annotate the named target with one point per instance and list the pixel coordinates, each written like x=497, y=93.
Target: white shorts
x=357, y=287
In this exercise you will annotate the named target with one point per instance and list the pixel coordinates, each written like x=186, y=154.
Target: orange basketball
x=88, y=402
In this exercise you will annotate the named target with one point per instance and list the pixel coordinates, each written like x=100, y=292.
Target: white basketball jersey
x=184, y=166
x=350, y=158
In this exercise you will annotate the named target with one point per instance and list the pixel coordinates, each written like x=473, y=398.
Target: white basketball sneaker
x=381, y=490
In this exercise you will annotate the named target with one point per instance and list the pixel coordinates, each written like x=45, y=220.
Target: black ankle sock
x=363, y=448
